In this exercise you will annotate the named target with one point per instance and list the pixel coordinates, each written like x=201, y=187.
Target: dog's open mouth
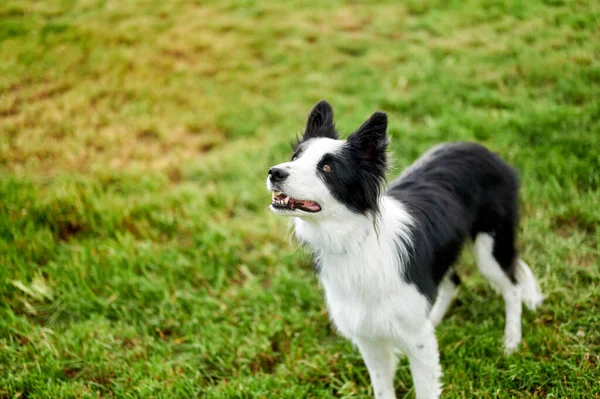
x=282, y=201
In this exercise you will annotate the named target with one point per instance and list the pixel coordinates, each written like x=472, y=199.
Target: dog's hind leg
x=381, y=362
x=447, y=290
x=496, y=261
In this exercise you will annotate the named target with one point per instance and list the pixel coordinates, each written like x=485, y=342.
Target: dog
x=384, y=253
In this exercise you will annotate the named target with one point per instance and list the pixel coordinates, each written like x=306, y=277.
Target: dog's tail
x=530, y=289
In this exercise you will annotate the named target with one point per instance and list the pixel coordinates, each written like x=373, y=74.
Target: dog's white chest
x=363, y=293
x=361, y=271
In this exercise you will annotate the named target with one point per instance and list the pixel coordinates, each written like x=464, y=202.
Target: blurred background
x=137, y=255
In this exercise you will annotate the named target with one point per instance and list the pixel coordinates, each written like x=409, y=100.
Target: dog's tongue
x=293, y=203
x=309, y=205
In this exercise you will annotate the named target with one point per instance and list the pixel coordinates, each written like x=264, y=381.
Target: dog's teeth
x=286, y=200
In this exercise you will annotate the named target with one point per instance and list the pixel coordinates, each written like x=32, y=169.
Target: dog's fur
x=384, y=257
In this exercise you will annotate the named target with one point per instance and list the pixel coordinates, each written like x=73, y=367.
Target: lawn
x=137, y=254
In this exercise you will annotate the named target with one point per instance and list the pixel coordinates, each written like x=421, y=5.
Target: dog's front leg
x=420, y=345
x=381, y=362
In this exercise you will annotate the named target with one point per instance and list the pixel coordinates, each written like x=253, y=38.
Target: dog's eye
x=326, y=168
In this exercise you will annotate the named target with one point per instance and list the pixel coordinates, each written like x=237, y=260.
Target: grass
x=137, y=256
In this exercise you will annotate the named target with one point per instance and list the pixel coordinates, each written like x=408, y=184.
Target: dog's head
x=326, y=176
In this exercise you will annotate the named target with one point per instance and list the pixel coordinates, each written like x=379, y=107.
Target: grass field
x=137, y=255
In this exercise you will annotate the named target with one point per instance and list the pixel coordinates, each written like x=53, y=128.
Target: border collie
x=385, y=255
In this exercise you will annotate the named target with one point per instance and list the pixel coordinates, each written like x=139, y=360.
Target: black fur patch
x=359, y=169
x=455, y=279
x=319, y=124
x=460, y=191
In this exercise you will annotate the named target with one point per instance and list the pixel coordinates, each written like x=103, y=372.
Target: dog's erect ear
x=320, y=122
x=366, y=153
x=370, y=140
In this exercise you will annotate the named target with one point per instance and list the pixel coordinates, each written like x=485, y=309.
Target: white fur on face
x=304, y=183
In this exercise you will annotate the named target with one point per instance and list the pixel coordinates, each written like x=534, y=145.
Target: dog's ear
x=370, y=140
x=320, y=122
x=366, y=149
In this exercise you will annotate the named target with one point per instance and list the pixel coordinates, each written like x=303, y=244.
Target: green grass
x=137, y=255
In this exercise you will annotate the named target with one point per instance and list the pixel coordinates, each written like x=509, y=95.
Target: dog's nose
x=277, y=174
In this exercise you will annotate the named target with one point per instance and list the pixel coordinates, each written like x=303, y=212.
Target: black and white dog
x=385, y=255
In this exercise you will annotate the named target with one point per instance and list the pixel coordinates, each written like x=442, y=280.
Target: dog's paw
x=511, y=345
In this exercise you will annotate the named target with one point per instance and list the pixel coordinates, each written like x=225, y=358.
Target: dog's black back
x=454, y=192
